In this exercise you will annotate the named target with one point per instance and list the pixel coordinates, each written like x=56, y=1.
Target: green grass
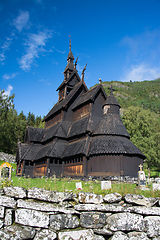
x=66, y=185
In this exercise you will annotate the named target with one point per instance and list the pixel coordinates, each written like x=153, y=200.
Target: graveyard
x=88, y=185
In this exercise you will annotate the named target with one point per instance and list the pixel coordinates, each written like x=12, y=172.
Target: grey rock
x=1, y=223
x=45, y=234
x=93, y=219
x=152, y=225
x=137, y=236
x=49, y=196
x=2, y=212
x=125, y=222
x=7, y=157
x=42, y=206
x=7, y=202
x=84, y=197
x=120, y=236
x=62, y=221
x=156, y=238
x=31, y=218
x=79, y=235
x=112, y=198
x=140, y=200
x=4, y=236
x=1, y=192
x=19, y=232
x=103, y=231
x=17, y=192
x=99, y=207
x=144, y=210
x=8, y=217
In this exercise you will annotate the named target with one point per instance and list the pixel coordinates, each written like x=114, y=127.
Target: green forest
x=140, y=112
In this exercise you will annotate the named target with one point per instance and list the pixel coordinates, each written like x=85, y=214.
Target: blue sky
x=118, y=39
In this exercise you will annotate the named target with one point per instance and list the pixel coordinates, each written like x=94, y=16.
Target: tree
x=31, y=119
x=144, y=129
x=8, y=117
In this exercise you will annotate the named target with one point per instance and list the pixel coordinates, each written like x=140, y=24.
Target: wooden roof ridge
x=89, y=96
x=111, y=124
x=28, y=149
x=75, y=147
x=65, y=81
x=78, y=127
x=64, y=102
x=51, y=132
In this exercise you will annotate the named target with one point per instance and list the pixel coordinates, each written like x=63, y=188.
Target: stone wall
x=41, y=214
x=7, y=157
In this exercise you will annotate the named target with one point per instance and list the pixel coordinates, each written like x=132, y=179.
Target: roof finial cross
x=140, y=166
x=69, y=43
x=112, y=89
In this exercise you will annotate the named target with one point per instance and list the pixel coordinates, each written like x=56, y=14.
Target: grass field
x=66, y=184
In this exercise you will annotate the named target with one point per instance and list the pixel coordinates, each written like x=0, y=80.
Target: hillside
x=144, y=94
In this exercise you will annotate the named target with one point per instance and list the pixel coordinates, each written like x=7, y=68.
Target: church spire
x=70, y=65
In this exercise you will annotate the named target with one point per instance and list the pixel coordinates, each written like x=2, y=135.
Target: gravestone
x=156, y=186
x=141, y=177
x=105, y=185
x=79, y=185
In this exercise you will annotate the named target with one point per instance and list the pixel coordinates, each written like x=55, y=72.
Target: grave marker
x=105, y=185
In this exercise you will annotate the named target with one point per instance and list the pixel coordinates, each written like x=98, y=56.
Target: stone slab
x=125, y=222
x=152, y=225
x=84, y=197
x=43, y=206
x=8, y=217
x=99, y=207
x=93, y=219
x=49, y=196
x=7, y=202
x=31, y=218
x=63, y=221
x=45, y=234
x=112, y=198
x=17, y=192
x=2, y=212
x=79, y=235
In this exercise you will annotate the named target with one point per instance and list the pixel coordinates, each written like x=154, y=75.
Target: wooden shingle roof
x=89, y=96
x=79, y=127
x=36, y=134
x=113, y=145
x=111, y=124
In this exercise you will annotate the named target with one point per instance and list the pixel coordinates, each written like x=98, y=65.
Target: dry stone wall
x=41, y=214
x=7, y=157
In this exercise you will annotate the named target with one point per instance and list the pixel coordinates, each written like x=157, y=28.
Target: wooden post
x=48, y=167
x=84, y=167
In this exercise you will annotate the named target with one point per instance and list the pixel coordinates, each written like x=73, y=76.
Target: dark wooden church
x=83, y=136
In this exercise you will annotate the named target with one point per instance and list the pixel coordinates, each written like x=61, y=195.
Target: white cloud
x=21, y=21
x=35, y=44
x=4, y=48
x=8, y=91
x=7, y=76
x=141, y=72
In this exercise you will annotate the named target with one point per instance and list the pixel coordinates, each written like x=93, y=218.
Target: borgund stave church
x=83, y=136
